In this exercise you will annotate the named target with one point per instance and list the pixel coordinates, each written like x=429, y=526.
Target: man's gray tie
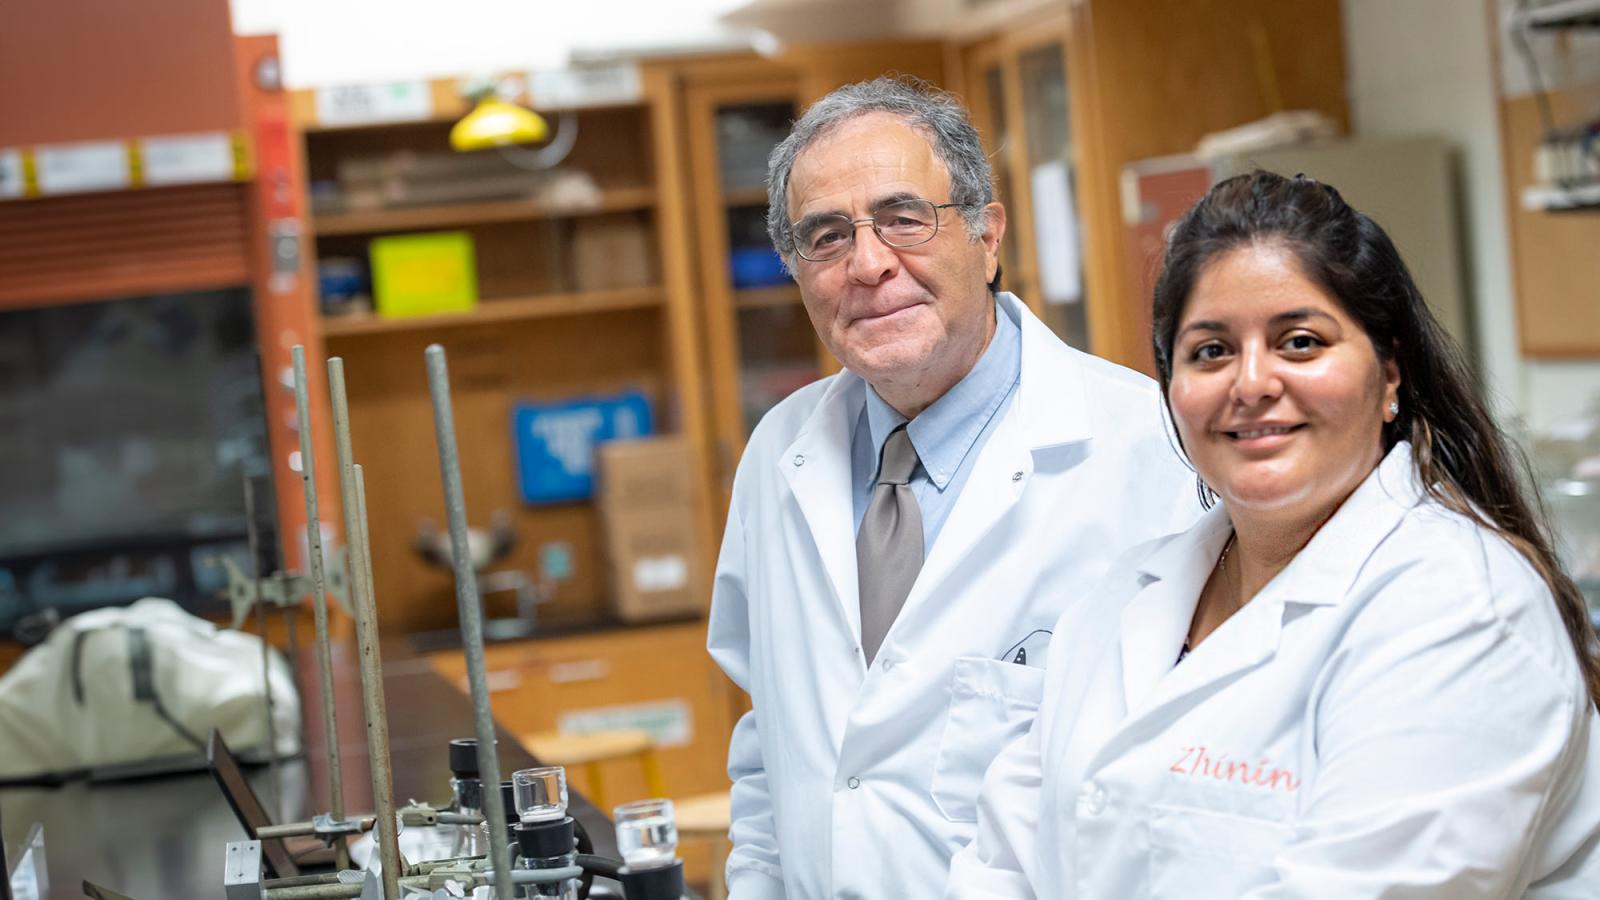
x=889, y=544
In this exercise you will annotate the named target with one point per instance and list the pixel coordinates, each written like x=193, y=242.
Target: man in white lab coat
x=904, y=534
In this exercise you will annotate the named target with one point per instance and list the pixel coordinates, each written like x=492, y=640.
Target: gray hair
x=937, y=114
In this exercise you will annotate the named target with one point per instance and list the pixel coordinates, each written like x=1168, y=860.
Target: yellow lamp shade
x=495, y=123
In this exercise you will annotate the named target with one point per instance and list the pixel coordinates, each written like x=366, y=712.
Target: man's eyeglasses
x=904, y=223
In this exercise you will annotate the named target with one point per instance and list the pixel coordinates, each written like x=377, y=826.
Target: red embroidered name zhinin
x=1196, y=762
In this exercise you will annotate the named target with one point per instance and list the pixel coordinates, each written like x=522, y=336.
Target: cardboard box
x=611, y=252
x=654, y=563
x=646, y=473
x=646, y=500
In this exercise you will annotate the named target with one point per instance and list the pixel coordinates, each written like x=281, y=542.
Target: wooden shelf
x=508, y=310
x=1559, y=199
x=752, y=196
x=414, y=217
x=767, y=297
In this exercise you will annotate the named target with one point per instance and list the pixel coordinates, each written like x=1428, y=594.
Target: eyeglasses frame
x=855, y=225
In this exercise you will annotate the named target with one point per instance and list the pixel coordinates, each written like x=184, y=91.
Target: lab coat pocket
x=1196, y=853
x=991, y=704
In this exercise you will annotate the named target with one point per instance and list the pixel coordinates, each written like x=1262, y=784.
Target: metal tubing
x=352, y=489
x=253, y=541
x=319, y=599
x=471, y=614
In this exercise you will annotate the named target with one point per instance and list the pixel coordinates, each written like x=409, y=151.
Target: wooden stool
x=707, y=816
x=594, y=748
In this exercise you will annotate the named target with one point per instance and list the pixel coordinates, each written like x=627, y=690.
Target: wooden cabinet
x=1016, y=86
x=583, y=290
x=659, y=678
x=1102, y=83
x=760, y=345
x=1555, y=233
x=1555, y=255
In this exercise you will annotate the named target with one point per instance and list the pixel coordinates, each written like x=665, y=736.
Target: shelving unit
x=759, y=341
x=555, y=319
x=1554, y=228
x=459, y=214
x=783, y=295
x=513, y=309
x=747, y=196
x=760, y=345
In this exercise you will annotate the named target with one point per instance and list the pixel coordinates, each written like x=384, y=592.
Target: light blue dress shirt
x=946, y=435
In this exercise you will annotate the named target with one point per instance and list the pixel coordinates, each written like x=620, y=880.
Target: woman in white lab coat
x=1363, y=672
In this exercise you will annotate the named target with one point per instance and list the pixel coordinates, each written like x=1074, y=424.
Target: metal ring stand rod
x=353, y=496
x=319, y=599
x=471, y=613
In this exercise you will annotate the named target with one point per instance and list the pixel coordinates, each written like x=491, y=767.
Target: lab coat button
x=854, y=782
x=799, y=459
x=888, y=665
x=1093, y=799
x=1016, y=476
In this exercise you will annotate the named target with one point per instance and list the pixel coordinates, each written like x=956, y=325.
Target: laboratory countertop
x=163, y=837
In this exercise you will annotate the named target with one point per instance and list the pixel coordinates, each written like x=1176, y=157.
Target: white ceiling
x=324, y=42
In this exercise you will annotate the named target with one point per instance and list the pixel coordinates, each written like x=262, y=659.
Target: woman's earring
x=1394, y=407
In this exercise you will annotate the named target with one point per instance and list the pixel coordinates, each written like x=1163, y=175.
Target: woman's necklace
x=1221, y=570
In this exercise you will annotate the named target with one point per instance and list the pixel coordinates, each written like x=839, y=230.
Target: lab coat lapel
x=816, y=466
x=1247, y=639
x=1320, y=575
x=1048, y=410
x=1155, y=623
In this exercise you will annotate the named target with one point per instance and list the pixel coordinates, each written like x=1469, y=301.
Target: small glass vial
x=647, y=835
x=546, y=836
x=466, y=790
x=540, y=794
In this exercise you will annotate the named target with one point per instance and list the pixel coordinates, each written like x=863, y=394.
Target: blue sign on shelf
x=556, y=442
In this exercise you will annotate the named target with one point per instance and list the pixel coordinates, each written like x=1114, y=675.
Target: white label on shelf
x=362, y=104
x=187, y=158
x=94, y=166
x=579, y=670
x=495, y=681
x=670, y=723
x=10, y=186
x=591, y=85
x=660, y=573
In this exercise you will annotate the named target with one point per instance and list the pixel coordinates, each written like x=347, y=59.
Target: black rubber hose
x=600, y=865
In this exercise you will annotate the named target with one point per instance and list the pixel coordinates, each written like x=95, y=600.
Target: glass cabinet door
x=777, y=350
x=990, y=115
x=1055, y=230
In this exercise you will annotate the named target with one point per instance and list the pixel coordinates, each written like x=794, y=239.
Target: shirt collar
x=1325, y=568
x=945, y=432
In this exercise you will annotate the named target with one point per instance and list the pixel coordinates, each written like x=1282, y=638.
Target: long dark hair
x=1462, y=458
